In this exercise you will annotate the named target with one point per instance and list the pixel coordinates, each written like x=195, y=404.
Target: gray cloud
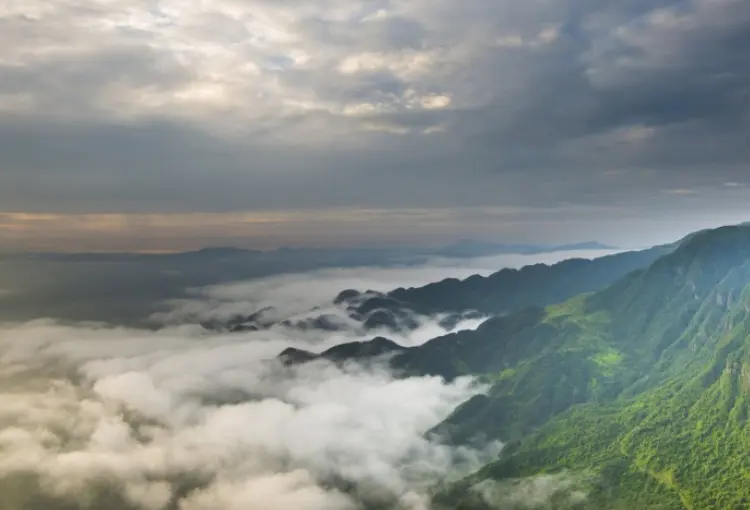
x=253, y=105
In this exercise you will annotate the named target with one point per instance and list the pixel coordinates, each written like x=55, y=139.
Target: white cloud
x=202, y=61
x=147, y=409
x=150, y=414
x=147, y=413
x=566, y=489
x=221, y=62
x=405, y=65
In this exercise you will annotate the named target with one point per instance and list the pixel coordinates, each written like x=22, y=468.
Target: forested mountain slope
x=637, y=395
x=451, y=300
x=641, y=391
x=535, y=285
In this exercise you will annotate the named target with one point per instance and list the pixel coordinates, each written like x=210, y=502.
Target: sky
x=175, y=124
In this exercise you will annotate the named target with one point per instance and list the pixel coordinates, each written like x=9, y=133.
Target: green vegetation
x=510, y=290
x=644, y=385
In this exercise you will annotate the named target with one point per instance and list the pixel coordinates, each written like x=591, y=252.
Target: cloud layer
x=240, y=105
x=177, y=419
x=95, y=417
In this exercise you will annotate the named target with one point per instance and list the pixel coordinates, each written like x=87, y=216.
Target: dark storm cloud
x=256, y=105
x=677, y=70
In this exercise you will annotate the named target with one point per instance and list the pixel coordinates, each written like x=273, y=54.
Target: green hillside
x=639, y=392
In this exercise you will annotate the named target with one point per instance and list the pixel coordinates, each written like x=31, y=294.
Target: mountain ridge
x=661, y=370
x=464, y=248
x=532, y=285
x=636, y=393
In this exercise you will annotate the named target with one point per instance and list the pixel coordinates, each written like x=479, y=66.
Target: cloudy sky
x=171, y=124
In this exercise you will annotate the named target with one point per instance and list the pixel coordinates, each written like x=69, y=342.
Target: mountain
x=633, y=396
x=639, y=393
x=351, y=351
x=533, y=285
x=453, y=300
x=123, y=288
x=464, y=248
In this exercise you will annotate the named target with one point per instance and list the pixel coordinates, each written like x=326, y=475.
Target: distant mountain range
x=123, y=288
x=628, y=376
x=534, y=285
x=502, y=292
x=461, y=249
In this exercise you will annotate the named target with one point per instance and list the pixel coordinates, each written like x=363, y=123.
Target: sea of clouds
x=96, y=417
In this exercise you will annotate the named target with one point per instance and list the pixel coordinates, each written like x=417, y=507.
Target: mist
x=95, y=416
x=182, y=419
x=296, y=293
x=125, y=290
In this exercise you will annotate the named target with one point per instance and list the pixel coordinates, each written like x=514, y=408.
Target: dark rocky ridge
x=367, y=311
x=350, y=351
x=510, y=290
x=505, y=291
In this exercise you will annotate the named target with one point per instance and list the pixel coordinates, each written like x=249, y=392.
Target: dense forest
x=640, y=390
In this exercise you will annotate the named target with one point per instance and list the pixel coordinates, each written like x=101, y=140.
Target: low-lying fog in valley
x=101, y=417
